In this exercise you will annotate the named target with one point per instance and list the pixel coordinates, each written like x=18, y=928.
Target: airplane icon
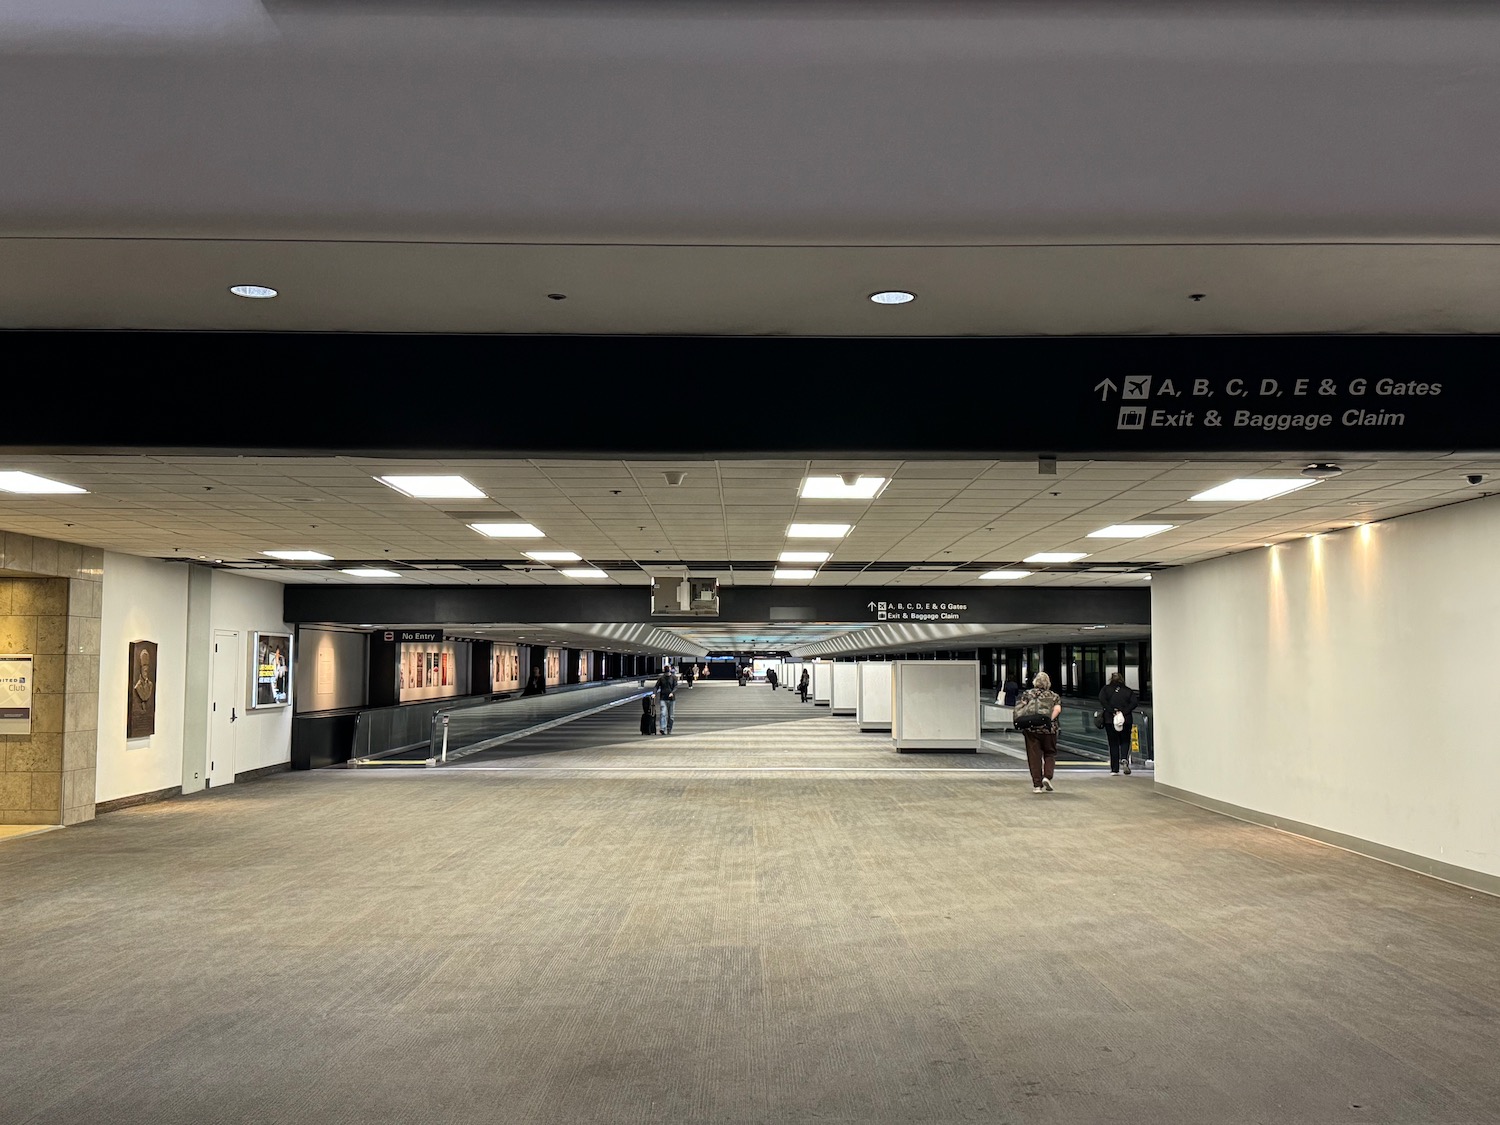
x=1137, y=388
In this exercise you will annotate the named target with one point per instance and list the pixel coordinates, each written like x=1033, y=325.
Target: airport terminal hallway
x=503, y=941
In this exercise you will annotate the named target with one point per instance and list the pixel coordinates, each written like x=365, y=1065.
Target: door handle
x=232, y=715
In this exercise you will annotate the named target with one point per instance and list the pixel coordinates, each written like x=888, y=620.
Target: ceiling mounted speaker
x=849, y=479
x=674, y=479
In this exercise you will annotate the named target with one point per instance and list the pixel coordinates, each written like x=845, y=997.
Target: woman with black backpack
x=1116, y=709
x=1035, y=717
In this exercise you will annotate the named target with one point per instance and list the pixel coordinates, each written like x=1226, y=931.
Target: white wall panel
x=247, y=605
x=1342, y=682
x=144, y=600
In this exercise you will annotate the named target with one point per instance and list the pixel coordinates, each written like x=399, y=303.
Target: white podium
x=845, y=697
x=872, y=710
x=935, y=705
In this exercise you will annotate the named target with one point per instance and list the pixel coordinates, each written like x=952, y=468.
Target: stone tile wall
x=51, y=595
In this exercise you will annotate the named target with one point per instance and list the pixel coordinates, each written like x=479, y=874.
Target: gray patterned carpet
x=872, y=943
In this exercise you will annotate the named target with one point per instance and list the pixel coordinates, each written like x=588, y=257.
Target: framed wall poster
x=271, y=669
x=16, y=676
x=140, y=714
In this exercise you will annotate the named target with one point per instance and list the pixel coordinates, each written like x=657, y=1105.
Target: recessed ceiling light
x=794, y=574
x=803, y=556
x=834, y=488
x=1253, y=488
x=893, y=297
x=1130, y=530
x=256, y=292
x=817, y=530
x=1055, y=557
x=509, y=530
x=433, y=488
x=553, y=556
x=31, y=484
x=1145, y=578
x=1006, y=575
x=299, y=556
x=371, y=572
x=584, y=572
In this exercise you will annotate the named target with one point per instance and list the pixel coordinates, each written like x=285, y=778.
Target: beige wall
x=49, y=606
x=1342, y=682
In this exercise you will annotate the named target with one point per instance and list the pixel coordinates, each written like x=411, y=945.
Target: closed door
x=224, y=709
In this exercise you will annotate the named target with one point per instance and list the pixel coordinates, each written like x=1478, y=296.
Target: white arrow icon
x=872, y=605
x=1104, y=387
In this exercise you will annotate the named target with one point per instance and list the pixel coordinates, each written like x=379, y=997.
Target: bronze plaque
x=140, y=717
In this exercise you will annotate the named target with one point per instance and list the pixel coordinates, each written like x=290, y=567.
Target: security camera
x=1475, y=478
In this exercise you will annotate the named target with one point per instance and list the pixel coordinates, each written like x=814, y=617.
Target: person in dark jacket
x=666, y=700
x=1009, y=692
x=772, y=678
x=804, y=684
x=1117, y=703
x=537, y=685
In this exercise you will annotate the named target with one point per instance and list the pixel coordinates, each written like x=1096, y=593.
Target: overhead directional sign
x=534, y=396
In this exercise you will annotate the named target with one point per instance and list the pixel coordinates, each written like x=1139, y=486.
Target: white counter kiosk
x=845, y=688
x=872, y=709
x=822, y=683
x=791, y=673
x=935, y=705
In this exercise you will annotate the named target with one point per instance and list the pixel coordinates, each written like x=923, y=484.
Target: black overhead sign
x=412, y=636
x=1238, y=411
x=519, y=396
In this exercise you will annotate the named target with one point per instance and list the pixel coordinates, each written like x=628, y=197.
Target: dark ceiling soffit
x=950, y=397
x=464, y=605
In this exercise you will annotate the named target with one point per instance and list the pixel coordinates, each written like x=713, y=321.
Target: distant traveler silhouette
x=772, y=678
x=803, y=684
x=537, y=685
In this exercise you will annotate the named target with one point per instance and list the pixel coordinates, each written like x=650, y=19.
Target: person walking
x=1117, y=708
x=803, y=684
x=1036, y=718
x=691, y=674
x=1009, y=691
x=772, y=678
x=666, y=699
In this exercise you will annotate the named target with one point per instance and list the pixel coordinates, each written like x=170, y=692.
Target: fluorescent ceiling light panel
x=1253, y=488
x=31, y=484
x=794, y=574
x=371, y=572
x=817, y=531
x=298, y=556
x=1130, y=530
x=833, y=488
x=1006, y=575
x=553, y=556
x=1055, y=557
x=433, y=488
x=584, y=572
x=509, y=530
x=803, y=556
